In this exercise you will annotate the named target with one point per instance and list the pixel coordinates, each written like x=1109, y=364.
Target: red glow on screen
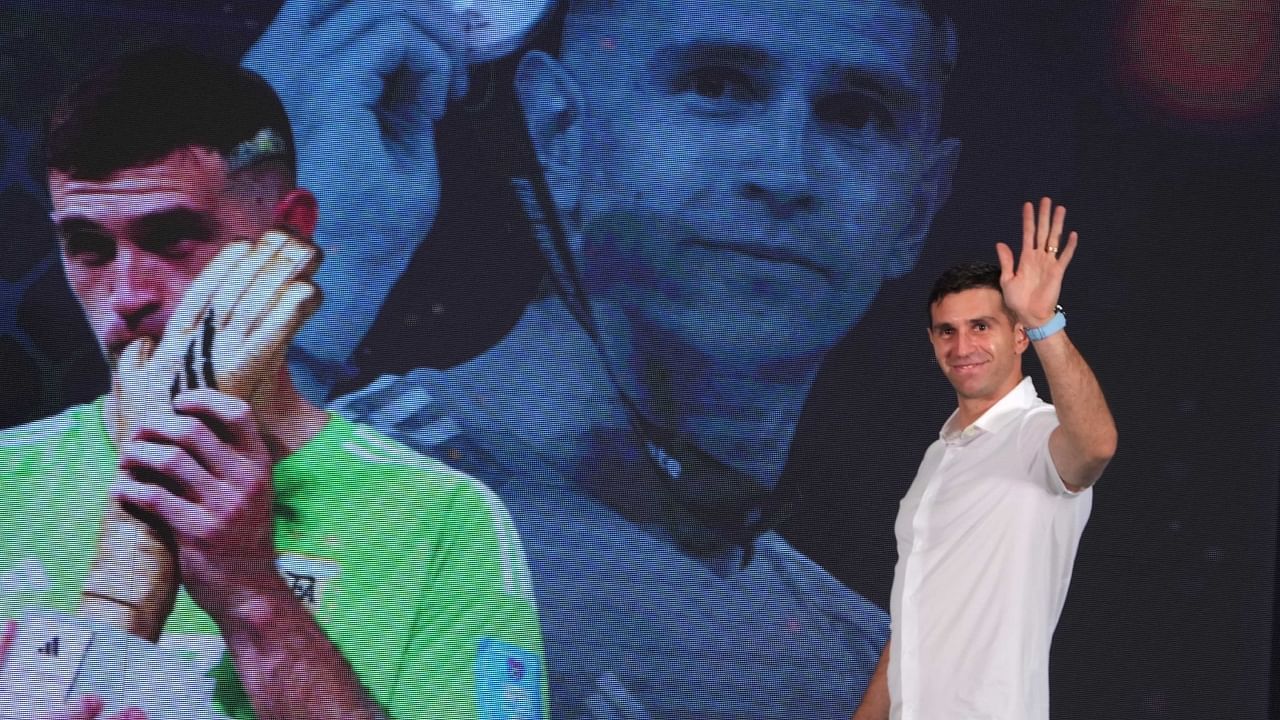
x=1204, y=59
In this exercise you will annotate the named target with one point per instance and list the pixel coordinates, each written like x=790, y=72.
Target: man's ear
x=931, y=194
x=553, y=114
x=1020, y=339
x=298, y=211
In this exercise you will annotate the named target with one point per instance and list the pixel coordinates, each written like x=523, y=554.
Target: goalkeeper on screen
x=307, y=565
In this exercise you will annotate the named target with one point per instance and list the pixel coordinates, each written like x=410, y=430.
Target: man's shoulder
x=443, y=415
x=55, y=432
x=369, y=463
x=440, y=499
x=811, y=581
x=1036, y=420
x=364, y=446
x=63, y=456
x=400, y=407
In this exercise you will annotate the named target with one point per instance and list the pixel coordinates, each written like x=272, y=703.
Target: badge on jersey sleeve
x=307, y=577
x=508, y=681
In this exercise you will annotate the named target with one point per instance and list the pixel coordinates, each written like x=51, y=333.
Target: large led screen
x=655, y=273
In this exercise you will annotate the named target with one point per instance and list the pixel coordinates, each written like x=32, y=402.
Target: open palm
x=1031, y=288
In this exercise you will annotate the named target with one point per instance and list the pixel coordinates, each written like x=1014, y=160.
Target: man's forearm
x=288, y=667
x=1086, y=436
x=875, y=702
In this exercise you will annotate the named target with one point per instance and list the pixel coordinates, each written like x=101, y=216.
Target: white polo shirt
x=986, y=538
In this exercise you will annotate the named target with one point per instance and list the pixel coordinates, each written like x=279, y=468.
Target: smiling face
x=133, y=242
x=977, y=345
x=751, y=172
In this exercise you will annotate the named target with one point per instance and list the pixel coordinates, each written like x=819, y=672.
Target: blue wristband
x=1058, y=322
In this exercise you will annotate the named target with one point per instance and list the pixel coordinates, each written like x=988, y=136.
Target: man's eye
x=89, y=248
x=718, y=83
x=980, y=326
x=170, y=246
x=854, y=111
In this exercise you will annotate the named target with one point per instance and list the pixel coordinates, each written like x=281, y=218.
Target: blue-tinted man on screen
x=727, y=184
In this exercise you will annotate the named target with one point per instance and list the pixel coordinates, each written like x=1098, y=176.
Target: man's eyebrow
x=181, y=222
x=743, y=54
x=891, y=87
x=76, y=224
x=946, y=324
x=861, y=78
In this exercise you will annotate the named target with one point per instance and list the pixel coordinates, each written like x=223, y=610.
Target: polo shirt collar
x=1020, y=398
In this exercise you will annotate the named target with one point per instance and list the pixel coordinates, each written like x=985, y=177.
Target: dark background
x=1156, y=122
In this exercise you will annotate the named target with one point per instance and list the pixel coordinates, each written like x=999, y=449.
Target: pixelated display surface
x=657, y=277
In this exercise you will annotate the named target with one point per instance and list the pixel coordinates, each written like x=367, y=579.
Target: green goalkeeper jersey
x=412, y=569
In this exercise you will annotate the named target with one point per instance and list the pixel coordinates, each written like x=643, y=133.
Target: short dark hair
x=966, y=276
x=145, y=104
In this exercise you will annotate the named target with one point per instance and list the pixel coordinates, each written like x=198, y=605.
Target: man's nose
x=777, y=171
x=964, y=343
x=137, y=284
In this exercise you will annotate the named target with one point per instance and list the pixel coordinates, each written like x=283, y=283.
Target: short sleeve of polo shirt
x=1038, y=424
x=429, y=598
x=476, y=648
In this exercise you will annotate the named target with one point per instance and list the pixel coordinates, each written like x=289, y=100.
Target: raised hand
x=364, y=82
x=1031, y=289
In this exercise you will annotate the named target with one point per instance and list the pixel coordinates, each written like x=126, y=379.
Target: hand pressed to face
x=134, y=244
x=206, y=473
x=1031, y=291
x=231, y=329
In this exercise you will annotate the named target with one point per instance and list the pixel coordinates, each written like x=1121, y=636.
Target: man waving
x=988, y=531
